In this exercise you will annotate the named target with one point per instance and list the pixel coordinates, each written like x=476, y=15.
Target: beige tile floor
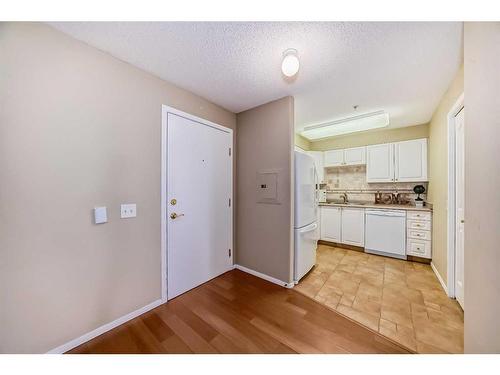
x=402, y=300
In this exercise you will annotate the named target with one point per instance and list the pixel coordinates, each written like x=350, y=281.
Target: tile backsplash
x=354, y=178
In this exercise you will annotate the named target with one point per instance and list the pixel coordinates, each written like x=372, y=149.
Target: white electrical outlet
x=128, y=210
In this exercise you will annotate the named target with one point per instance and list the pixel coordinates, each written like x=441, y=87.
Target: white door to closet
x=459, y=206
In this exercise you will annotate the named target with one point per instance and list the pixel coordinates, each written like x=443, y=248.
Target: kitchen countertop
x=381, y=206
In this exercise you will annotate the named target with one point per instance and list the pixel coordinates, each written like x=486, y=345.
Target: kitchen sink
x=349, y=203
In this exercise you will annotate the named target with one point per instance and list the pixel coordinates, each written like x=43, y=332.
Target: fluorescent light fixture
x=368, y=121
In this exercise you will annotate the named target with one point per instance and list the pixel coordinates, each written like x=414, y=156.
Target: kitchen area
x=367, y=193
x=373, y=259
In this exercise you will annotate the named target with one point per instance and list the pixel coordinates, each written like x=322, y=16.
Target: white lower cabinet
x=418, y=248
x=330, y=223
x=353, y=226
x=343, y=225
x=419, y=234
x=346, y=225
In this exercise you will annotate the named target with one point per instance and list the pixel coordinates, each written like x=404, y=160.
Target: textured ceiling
x=403, y=68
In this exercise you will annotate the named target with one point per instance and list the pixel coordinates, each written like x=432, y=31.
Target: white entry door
x=199, y=194
x=459, y=207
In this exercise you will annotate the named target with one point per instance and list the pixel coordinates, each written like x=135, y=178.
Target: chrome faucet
x=344, y=197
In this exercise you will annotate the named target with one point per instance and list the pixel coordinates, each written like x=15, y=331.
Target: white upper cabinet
x=349, y=156
x=380, y=163
x=354, y=156
x=397, y=162
x=353, y=226
x=334, y=158
x=330, y=223
x=319, y=164
x=411, y=161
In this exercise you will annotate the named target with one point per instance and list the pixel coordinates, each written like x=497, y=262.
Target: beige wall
x=263, y=232
x=303, y=143
x=372, y=138
x=482, y=184
x=438, y=173
x=78, y=128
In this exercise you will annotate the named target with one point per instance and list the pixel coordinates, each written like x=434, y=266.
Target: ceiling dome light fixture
x=290, y=64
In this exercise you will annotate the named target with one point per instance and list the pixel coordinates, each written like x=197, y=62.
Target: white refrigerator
x=305, y=223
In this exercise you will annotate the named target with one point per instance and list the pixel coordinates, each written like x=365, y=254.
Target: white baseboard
x=264, y=276
x=439, y=278
x=104, y=328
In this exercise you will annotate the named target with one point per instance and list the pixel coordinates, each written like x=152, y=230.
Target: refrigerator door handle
x=309, y=228
x=316, y=186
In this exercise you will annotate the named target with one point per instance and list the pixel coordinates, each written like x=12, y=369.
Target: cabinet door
x=330, y=224
x=353, y=226
x=318, y=163
x=380, y=163
x=354, y=156
x=411, y=160
x=334, y=158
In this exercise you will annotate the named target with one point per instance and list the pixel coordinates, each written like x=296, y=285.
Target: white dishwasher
x=385, y=232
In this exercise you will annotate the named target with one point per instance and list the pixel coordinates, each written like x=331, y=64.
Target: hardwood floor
x=240, y=313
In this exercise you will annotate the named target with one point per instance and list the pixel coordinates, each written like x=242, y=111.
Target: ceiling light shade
x=373, y=120
x=290, y=64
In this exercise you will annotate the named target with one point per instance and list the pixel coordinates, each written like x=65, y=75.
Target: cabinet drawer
x=418, y=215
x=419, y=234
x=418, y=248
x=419, y=224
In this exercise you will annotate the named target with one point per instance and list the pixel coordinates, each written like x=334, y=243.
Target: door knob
x=174, y=215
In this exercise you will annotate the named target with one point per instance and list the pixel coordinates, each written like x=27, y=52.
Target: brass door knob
x=174, y=215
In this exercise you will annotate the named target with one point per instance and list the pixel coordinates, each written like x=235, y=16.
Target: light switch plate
x=100, y=215
x=128, y=210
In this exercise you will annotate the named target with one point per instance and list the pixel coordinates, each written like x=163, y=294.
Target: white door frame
x=457, y=107
x=165, y=110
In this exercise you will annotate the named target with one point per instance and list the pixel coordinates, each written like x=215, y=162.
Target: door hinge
x=229, y=151
x=229, y=253
x=229, y=202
